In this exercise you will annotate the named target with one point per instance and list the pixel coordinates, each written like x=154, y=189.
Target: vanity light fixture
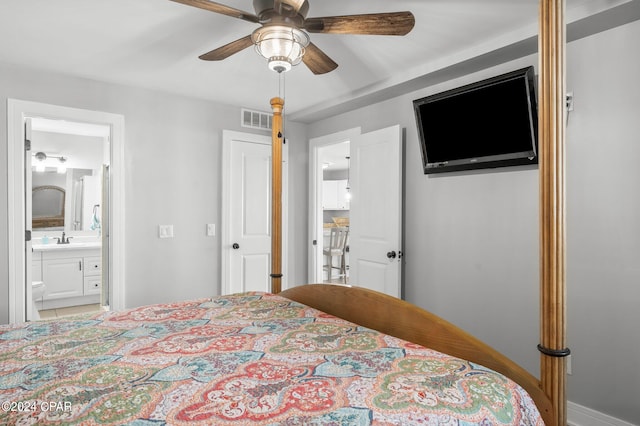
x=41, y=159
x=62, y=168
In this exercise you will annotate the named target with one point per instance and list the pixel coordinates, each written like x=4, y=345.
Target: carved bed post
x=276, y=195
x=552, y=204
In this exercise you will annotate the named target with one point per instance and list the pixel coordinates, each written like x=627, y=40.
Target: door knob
x=391, y=255
x=235, y=246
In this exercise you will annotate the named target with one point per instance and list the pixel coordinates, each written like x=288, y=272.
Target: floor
x=71, y=310
x=339, y=280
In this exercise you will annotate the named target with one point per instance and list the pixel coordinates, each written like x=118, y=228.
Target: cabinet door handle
x=80, y=264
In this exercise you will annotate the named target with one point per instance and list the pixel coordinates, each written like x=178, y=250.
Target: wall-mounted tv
x=491, y=123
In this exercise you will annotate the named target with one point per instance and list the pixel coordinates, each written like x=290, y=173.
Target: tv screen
x=491, y=123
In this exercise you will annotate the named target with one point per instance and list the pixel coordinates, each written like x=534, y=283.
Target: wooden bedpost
x=552, y=204
x=277, y=138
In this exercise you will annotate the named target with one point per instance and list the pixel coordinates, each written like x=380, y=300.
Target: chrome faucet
x=63, y=240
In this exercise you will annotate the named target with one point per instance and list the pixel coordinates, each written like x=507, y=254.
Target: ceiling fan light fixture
x=281, y=45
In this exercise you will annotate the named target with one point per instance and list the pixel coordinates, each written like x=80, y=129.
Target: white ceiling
x=155, y=44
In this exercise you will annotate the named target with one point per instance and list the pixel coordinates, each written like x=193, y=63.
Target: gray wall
x=173, y=176
x=471, y=243
x=603, y=226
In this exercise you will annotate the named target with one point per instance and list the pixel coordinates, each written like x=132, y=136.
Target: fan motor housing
x=262, y=6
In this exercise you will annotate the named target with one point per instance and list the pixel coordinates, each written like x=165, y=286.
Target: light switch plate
x=165, y=231
x=211, y=229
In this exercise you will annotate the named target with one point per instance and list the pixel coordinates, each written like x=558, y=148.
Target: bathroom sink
x=80, y=245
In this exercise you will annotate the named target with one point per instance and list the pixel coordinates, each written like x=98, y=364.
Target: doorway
x=326, y=154
x=375, y=199
x=69, y=160
x=107, y=218
x=336, y=203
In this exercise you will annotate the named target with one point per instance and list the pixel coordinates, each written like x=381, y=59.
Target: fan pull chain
x=281, y=94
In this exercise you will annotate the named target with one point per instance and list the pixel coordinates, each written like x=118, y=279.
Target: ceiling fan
x=283, y=37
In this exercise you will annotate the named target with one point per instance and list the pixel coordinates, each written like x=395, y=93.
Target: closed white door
x=246, y=239
x=375, y=239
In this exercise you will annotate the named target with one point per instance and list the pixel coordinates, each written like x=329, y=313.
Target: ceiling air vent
x=256, y=119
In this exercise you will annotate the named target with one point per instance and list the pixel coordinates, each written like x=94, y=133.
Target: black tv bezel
x=492, y=161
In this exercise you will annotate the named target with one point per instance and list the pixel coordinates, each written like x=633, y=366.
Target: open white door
x=246, y=227
x=375, y=238
x=28, y=221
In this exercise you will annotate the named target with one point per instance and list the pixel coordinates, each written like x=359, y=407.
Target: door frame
x=228, y=136
x=17, y=111
x=315, y=196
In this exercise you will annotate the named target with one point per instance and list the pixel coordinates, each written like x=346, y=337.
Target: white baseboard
x=578, y=415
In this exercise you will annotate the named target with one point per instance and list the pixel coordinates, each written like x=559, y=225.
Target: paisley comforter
x=253, y=358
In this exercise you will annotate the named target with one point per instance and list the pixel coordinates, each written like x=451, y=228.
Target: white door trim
x=315, y=196
x=228, y=136
x=17, y=110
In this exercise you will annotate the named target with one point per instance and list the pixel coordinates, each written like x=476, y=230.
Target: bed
x=255, y=358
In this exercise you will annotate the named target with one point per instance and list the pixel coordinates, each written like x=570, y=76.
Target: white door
x=375, y=233
x=246, y=240
x=28, y=220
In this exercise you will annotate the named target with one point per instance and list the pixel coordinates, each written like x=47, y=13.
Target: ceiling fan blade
x=227, y=50
x=220, y=8
x=395, y=23
x=317, y=61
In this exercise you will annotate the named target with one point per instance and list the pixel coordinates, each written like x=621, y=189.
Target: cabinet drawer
x=92, y=285
x=92, y=266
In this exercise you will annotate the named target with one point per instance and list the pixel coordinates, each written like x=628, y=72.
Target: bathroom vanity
x=72, y=273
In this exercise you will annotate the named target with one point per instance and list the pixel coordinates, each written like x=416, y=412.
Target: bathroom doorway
x=69, y=166
x=80, y=153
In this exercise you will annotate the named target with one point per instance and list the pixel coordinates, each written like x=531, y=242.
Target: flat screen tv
x=491, y=123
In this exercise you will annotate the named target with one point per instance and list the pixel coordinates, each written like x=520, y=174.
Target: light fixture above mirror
x=41, y=162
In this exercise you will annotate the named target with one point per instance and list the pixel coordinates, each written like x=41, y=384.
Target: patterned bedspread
x=242, y=359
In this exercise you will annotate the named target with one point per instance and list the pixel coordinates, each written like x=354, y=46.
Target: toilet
x=37, y=291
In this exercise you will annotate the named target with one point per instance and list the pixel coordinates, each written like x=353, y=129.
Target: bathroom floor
x=71, y=310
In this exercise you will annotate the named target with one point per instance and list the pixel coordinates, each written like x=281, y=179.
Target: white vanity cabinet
x=36, y=267
x=72, y=276
x=63, y=277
